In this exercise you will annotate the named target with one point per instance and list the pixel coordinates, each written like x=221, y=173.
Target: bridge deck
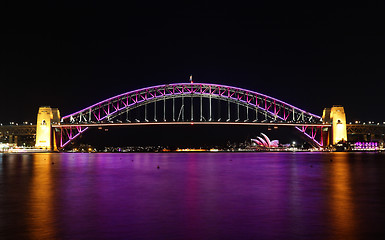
x=365, y=129
x=19, y=130
x=190, y=123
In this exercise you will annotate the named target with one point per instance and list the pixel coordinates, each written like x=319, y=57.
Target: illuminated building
x=265, y=142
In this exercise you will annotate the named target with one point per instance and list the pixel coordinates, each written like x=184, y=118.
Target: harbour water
x=192, y=196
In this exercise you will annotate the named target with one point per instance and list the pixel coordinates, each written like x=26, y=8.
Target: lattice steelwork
x=189, y=102
x=365, y=129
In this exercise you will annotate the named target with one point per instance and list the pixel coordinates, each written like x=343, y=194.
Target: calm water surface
x=192, y=196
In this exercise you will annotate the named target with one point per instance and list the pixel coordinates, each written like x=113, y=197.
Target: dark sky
x=310, y=55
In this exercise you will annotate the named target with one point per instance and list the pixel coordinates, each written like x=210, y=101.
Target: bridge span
x=190, y=103
x=70, y=131
x=26, y=134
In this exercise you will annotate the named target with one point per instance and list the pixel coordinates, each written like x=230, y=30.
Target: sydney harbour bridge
x=191, y=103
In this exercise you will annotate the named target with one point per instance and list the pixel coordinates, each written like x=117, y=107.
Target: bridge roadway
x=352, y=129
x=362, y=129
x=18, y=130
x=19, y=134
x=182, y=103
x=29, y=130
x=189, y=123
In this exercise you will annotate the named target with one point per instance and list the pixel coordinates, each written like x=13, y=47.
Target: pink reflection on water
x=191, y=196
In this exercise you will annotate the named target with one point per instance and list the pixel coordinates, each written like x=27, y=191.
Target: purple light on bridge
x=188, y=88
x=277, y=110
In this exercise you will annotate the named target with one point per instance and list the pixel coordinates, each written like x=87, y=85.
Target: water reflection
x=342, y=203
x=41, y=200
x=191, y=196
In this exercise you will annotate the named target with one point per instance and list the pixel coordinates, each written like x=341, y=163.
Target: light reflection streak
x=41, y=209
x=342, y=206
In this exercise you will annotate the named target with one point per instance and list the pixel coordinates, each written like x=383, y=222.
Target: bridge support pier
x=45, y=137
x=337, y=118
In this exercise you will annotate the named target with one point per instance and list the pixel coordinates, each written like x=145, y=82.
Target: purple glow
x=70, y=137
x=188, y=87
x=366, y=146
x=268, y=104
x=303, y=130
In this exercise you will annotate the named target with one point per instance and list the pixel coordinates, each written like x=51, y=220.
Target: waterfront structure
x=44, y=134
x=336, y=117
x=19, y=134
x=202, y=103
x=189, y=104
x=265, y=142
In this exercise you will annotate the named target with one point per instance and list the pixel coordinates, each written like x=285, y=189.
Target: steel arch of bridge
x=274, y=110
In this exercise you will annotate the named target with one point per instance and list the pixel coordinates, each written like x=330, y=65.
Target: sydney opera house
x=265, y=142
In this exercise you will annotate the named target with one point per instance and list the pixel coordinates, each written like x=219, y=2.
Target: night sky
x=310, y=55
